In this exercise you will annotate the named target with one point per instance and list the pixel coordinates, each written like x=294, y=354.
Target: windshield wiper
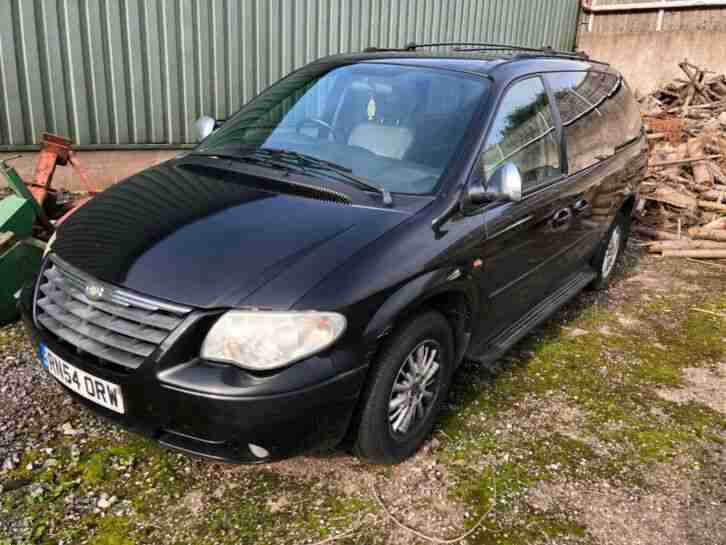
x=305, y=160
x=249, y=158
x=289, y=159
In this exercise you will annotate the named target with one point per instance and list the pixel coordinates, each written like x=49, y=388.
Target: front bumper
x=210, y=410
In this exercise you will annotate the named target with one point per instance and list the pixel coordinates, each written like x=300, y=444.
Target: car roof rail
x=374, y=49
x=522, y=51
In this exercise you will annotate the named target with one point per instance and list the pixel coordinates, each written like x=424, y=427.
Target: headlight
x=262, y=340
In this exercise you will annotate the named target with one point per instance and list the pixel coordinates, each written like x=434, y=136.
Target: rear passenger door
x=596, y=126
x=527, y=242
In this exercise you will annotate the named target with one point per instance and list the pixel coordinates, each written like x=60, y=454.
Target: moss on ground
x=274, y=508
x=255, y=506
x=112, y=531
x=609, y=373
x=95, y=470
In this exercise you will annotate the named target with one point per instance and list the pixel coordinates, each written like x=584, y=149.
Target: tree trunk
x=719, y=223
x=703, y=254
x=655, y=233
x=701, y=172
x=708, y=234
x=713, y=195
x=686, y=244
x=679, y=199
x=709, y=205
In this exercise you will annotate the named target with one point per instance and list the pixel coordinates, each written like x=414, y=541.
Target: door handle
x=561, y=218
x=580, y=206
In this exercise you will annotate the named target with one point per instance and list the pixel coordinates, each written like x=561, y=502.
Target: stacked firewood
x=682, y=202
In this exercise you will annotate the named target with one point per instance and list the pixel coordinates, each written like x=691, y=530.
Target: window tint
x=597, y=115
x=523, y=133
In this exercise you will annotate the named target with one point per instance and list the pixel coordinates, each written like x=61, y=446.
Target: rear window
x=598, y=115
x=627, y=107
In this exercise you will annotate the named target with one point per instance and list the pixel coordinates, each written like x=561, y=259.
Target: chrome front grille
x=111, y=324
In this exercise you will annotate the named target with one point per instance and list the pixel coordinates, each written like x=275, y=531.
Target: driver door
x=525, y=241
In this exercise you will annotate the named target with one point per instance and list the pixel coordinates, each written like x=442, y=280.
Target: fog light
x=258, y=451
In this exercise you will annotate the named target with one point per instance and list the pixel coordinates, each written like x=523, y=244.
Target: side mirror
x=477, y=194
x=204, y=126
x=504, y=183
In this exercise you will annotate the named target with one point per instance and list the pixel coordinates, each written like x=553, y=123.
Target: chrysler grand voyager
x=320, y=264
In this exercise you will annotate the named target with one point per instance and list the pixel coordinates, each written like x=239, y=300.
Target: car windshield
x=394, y=126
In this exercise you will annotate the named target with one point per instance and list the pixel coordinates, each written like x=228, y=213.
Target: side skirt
x=497, y=346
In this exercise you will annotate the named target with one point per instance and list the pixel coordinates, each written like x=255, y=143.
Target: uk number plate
x=106, y=394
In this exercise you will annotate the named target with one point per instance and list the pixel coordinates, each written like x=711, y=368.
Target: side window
x=592, y=117
x=523, y=133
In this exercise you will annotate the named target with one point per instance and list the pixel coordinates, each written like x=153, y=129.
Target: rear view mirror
x=506, y=183
x=204, y=126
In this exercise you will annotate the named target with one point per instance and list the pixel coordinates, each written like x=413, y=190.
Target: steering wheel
x=319, y=122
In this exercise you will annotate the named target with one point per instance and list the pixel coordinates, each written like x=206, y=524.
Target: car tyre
x=406, y=389
x=610, y=250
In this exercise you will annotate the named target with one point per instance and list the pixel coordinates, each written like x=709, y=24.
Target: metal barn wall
x=116, y=73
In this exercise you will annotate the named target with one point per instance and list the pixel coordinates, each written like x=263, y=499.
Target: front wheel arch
x=455, y=300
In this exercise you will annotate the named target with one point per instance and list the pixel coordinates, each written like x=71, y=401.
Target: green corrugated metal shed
x=139, y=72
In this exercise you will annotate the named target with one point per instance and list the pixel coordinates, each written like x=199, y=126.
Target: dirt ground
x=606, y=426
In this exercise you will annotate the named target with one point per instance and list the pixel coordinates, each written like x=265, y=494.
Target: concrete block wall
x=646, y=46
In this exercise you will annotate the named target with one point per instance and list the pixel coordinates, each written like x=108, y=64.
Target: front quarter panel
x=412, y=294
x=411, y=263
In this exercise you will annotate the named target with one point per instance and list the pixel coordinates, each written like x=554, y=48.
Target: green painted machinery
x=20, y=252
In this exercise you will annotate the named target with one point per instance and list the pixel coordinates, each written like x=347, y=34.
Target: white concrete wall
x=650, y=59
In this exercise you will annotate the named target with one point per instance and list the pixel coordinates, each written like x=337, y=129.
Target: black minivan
x=320, y=264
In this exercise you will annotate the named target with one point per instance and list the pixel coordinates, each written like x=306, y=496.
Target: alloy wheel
x=415, y=388
x=611, y=253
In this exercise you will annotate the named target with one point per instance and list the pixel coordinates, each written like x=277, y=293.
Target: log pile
x=682, y=204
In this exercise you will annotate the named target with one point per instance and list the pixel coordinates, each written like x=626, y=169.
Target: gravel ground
x=606, y=426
